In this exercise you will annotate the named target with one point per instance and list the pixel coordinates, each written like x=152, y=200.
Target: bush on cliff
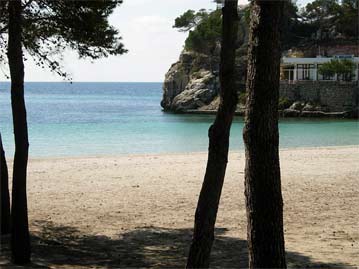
x=319, y=22
x=204, y=28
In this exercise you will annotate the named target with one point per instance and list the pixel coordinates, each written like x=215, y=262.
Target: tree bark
x=218, y=133
x=5, y=197
x=20, y=239
x=263, y=193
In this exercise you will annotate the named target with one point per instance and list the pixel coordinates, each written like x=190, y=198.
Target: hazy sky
x=146, y=28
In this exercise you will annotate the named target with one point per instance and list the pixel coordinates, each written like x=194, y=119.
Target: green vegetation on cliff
x=321, y=21
x=207, y=29
x=332, y=19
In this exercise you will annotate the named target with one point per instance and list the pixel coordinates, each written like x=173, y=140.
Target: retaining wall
x=331, y=96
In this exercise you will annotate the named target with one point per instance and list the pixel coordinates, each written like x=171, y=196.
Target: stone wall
x=330, y=96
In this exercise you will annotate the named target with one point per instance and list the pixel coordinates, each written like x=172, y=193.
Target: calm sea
x=121, y=118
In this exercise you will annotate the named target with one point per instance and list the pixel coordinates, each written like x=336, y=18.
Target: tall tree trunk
x=5, y=197
x=20, y=239
x=218, y=133
x=262, y=172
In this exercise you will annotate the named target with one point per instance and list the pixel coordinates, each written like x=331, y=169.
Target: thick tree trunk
x=218, y=133
x=20, y=239
x=5, y=197
x=262, y=173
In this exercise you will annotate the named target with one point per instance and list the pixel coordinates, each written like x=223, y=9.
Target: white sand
x=139, y=209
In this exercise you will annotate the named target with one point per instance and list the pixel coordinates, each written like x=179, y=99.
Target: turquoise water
x=121, y=118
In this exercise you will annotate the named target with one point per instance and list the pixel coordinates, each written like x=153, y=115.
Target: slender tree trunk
x=20, y=239
x=5, y=197
x=262, y=173
x=218, y=133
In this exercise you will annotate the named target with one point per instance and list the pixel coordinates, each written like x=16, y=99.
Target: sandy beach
x=138, y=210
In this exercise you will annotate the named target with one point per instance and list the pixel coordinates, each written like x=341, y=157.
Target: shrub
x=284, y=103
x=344, y=68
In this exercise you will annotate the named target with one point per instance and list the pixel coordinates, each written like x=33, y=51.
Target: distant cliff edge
x=192, y=83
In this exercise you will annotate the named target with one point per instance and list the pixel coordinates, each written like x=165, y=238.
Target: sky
x=146, y=29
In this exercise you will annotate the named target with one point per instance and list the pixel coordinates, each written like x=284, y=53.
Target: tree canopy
x=343, y=68
x=332, y=19
x=51, y=27
x=319, y=21
x=205, y=29
x=190, y=19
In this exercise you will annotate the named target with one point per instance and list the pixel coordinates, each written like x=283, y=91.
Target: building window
x=306, y=72
x=287, y=72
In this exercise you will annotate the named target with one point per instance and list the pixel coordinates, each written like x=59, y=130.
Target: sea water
x=95, y=119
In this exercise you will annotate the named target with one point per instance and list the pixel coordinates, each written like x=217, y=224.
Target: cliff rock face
x=192, y=83
x=199, y=92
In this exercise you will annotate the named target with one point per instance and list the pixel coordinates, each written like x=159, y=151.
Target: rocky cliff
x=192, y=83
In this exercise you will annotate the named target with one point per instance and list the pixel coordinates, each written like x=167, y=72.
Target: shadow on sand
x=66, y=247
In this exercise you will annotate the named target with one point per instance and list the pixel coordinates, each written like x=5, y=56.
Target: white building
x=306, y=69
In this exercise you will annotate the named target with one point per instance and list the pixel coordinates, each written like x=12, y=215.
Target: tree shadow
x=66, y=247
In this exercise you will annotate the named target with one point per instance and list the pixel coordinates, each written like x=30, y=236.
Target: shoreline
x=284, y=114
x=10, y=159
